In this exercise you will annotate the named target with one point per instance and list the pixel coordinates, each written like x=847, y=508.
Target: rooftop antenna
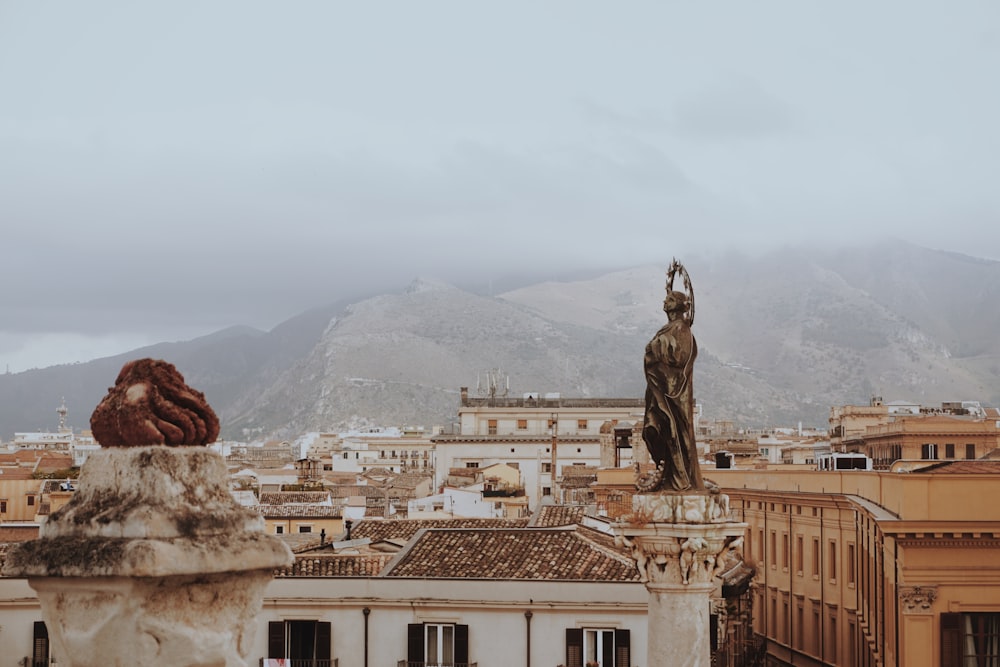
x=497, y=383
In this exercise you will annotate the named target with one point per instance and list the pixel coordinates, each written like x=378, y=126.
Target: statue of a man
x=669, y=422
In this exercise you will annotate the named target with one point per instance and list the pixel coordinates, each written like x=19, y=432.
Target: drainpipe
x=366, y=611
x=527, y=620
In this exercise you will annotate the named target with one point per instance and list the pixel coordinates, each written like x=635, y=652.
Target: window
x=928, y=451
x=279, y=530
x=581, y=424
x=299, y=640
x=472, y=464
x=328, y=466
x=546, y=467
x=345, y=454
x=949, y=450
x=850, y=564
x=774, y=549
x=491, y=427
x=40, y=644
x=522, y=424
x=799, y=555
x=815, y=557
x=546, y=490
x=832, y=560
x=970, y=639
x=305, y=529
x=605, y=646
x=784, y=551
x=437, y=643
x=31, y=501
x=970, y=451
x=3, y=505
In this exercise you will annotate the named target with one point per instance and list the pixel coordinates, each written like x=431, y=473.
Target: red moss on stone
x=151, y=405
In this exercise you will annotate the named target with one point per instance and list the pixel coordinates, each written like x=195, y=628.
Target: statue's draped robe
x=669, y=422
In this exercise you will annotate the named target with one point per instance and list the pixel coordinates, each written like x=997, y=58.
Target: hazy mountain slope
x=782, y=338
x=401, y=359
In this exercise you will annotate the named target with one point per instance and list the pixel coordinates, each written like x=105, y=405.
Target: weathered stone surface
x=696, y=508
x=188, y=621
x=151, y=405
x=151, y=562
x=152, y=492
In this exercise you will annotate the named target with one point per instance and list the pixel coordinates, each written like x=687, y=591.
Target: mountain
x=782, y=337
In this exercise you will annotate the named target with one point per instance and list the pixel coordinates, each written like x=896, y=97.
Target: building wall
x=493, y=610
x=532, y=457
x=844, y=557
x=19, y=499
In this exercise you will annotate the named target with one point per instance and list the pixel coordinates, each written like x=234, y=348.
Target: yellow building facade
x=874, y=568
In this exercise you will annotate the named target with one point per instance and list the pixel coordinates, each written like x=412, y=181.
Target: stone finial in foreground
x=151, y=405
x=152, y=561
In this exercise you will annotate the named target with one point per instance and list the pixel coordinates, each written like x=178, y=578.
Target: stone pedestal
x=151, y=562
x=679, y=543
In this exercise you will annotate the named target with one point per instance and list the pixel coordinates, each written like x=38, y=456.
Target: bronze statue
x=669, y=422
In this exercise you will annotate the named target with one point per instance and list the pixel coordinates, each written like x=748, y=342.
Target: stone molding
x=696, y=508
x=917, y=599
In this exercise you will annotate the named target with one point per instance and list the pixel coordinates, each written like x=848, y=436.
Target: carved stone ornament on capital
x=917, y=599
x=682, y=556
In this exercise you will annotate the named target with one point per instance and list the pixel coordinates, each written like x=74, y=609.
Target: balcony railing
x=406, y=663
x=297, y=662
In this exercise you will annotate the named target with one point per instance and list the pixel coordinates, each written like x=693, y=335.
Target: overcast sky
x=168, y=169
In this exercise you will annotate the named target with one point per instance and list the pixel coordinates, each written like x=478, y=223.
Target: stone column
x=151, y=562
x=679, y=543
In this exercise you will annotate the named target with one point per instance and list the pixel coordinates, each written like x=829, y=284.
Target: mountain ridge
x=782, y=337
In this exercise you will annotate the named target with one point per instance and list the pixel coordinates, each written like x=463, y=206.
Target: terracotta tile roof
x=15, y=473
x=405, y=528
x=301, y=511
x=410, y=480
x=357, y=490
x=960, y=467
x=297, y=497
x=567, y=554
x=552, y=516
x=50, y=461
x=335, y=565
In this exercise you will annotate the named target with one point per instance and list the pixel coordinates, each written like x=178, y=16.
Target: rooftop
x=562, y=554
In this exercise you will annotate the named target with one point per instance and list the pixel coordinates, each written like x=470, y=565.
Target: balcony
x=405, y=663
x=297, y=662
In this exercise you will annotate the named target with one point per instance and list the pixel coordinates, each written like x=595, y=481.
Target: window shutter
x=713, y=632
x=574, y=647
x=324, y=640
x=951, y=640
x=415, y=642
x=40, y=643
x=276, y=639
x=623, y=656
x=462, y=644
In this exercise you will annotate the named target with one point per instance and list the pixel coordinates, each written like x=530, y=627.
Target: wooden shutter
x=623, y=655
x=276, y=639
x=40, y=644
x=951, y=640
x=324, y=640
x=574, y=647
x=462, y=644
x=415, y=643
